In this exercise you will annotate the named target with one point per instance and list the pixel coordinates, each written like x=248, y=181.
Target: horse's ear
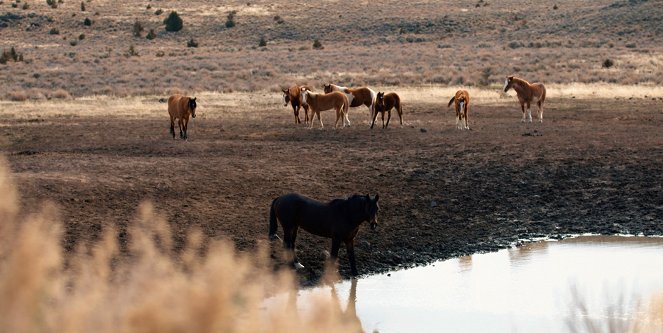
x=193, y=99
x=377, y=197
x=510, y=77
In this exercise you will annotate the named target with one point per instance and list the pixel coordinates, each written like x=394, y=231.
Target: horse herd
x=340, y=219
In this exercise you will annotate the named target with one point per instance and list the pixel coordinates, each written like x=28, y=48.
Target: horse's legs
x=375, y=115
x=180, y=123
x=529, y=112
x=522, y=106
x=467, y=125
x=306, y=114
x=382, y=119
x=186, y=126
x=172, y=126
x=540, y=110
x=350, y=247
x=295, y=110
x=336, y=243
x=388, y=117
x=339, y=115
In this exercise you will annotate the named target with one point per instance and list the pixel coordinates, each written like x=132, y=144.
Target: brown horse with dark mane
x=181, y=107
x=384, y=103
x=322, y=102
x=527, y=93
x=356, y=96
x=293, y=96
x=338, y=219
x=461, y=102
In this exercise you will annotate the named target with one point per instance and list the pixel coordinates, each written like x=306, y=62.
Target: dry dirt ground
x=593, y=166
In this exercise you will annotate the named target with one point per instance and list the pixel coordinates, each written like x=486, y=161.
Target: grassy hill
x=362, y=43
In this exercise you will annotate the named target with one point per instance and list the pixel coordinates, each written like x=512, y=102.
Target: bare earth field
x=594, y=165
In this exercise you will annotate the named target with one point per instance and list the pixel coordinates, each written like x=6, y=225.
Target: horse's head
x=327, y=88
x=508, y=83
x=372, y=208
x=286, y=96
x=304, y=93
x=192, y=106
x=379, y=101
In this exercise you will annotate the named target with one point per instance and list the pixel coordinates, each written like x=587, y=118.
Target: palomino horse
x=181, y=107
x=338, y=219
x=293, y=96
x=527, y=93
x=384, y=103
x=356, y=96
x=462, y=102
x=322, y=102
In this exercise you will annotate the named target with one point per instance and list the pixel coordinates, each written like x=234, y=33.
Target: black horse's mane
x=351, y=202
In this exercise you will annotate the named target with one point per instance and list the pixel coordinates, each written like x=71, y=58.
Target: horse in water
x=527, y=93
x=293, y=96
x=384, y=103
x=181, y=107
x=461, y=102
x=338, y=219
x=356, y=96
x=322, y=102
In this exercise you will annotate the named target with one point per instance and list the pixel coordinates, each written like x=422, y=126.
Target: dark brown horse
x=181, y=107
x=527, y=93
x=293, y=96
x=338, y=219
x=461, y=103
x=384, y=103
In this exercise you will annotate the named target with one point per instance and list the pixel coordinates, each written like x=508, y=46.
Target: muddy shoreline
x=593, y=166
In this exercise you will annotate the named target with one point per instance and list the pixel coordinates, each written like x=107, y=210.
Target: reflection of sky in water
x=526, y=289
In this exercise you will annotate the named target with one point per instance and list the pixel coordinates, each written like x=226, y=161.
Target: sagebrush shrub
x=173, y=22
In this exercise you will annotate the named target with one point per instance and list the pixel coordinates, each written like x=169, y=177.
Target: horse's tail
x=273, y=225
x=451, y=101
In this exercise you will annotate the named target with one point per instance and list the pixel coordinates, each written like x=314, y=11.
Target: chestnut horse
x=293, y=96
x=338, y=219
x=384, y=103
x=461, y=102
x=527, y=93
x=181, y=107
x=356, y=96
x=322, y=102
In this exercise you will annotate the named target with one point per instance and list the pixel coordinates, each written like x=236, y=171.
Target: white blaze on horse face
x=304, y=96
x=284, y=101
x=506, y=83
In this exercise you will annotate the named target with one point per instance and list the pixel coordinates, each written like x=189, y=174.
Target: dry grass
x=426, y=42
x=150, y=289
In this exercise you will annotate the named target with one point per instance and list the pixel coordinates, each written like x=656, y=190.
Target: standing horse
x=322, y=102
x=293, y=96
x=356, y=96
x=181, y=107
x=384, y=103
x=461, y=102
x=338, y=219
x=527, y=93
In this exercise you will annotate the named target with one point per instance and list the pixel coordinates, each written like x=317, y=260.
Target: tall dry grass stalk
x=150, y=289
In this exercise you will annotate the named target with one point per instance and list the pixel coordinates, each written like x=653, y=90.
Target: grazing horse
x=461, y=102
x=322, y=102
x=181, y=107
x=338, y=219
x=356, y=96
x=384, y=103
x=293, y=96
x=527, y=93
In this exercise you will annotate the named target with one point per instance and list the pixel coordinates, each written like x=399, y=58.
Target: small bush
x=230, y=21
x=630, y=46
x=160, y=54
x=54, y=31
x=317, y=45
x=73, y=42
x=151, y=35
x=158, y=12
x=82, y=6
x=132, y=52
x=555, y=7
x=10, y=55
x=515, y=45
x=26, y=6
x=52, y=3
x=60, y=94
x=607, y=63
x=87, y=22
x=191, y=43
x=148, y=7
x=138, y=29
x=18, y=96
x=262, y=42
x=173, y=22
x=278, y=19
x=81, y=36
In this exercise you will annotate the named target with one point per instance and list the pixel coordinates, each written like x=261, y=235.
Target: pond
x=538, y=287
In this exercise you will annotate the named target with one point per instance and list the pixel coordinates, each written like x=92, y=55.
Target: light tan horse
x=181, y=107
x=527, y=93
x=322, y=102
x=384, y=103
x=461, y=102
x=356, y=96
x=293, y=96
